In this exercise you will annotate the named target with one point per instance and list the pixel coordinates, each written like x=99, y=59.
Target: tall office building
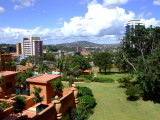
x=18, y=48
x=132, y=24
x=32, y=46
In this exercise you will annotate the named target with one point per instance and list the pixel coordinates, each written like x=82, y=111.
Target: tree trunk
x=70, y=81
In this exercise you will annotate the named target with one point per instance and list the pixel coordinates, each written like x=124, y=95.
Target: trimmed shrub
x=82, y=91
x=88, y=101
x=133, y=92
x=89, y=77
x=102, y=80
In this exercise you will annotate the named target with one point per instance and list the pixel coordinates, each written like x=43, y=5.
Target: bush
x=125, y=81
x=102, y=80
x=3, y=105
x=88, y=101
x=82, y=91
x=80, y=79
x=89, y=77
x=133, y=92
x=19, y=103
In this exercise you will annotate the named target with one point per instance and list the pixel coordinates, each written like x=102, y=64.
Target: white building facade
x=32, y=46
x=132, y=24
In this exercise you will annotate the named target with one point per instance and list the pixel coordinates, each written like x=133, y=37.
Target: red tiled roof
x=44, y=78
x=14, y=54
x=6, y=73
x=24, y=68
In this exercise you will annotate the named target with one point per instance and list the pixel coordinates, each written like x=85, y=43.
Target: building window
x=8, y=85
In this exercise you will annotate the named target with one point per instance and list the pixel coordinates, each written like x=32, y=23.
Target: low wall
x=67, y=102
x=29, y=102
x=47, y=114
x=50, y=113
x=6, y=113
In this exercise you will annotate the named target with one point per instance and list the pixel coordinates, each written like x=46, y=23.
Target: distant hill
x=86, y=44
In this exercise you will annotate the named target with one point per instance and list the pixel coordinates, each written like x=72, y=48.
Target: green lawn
x=112, y=104
x=114, y=75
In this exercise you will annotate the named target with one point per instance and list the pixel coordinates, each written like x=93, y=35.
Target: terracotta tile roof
x=44, y=78
x=6, y=73
x=13, y=54
x=85, y=52
x=24, y=68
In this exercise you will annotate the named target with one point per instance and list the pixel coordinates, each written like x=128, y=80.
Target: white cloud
x=114, y=3
x=2, y=10
x=23, y=3
x=152, y=21
x=100, y=24
x=98, y=21
x=156, y=2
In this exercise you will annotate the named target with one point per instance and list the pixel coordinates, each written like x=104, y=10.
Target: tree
x=73, y=65
x=10, y=64
x=103, y=61
x=43, y=68
x=49, y=57
x=21, y=78
x=58, y=86
x=19, y=104
x=23, y=62
x=37, y=98
x=60, y=63
x=34, y=59
x=140, y=50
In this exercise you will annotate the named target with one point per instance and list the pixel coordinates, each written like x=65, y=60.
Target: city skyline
x=59, y=21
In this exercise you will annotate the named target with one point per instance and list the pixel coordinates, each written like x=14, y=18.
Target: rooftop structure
x=9, y=84
x=8, y=73
x=44, y=78
x=43, y=81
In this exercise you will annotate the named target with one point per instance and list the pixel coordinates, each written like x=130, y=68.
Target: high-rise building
x=18, y=48
x=32, y=46
x=132, y=24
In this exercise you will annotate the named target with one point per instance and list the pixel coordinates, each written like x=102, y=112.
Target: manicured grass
x=112, y=104
x=115, y=75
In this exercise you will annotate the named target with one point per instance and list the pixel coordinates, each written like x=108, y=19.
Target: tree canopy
x=103, y=61
x=140, y=50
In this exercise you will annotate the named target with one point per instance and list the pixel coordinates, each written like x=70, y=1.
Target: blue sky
x=59, y=21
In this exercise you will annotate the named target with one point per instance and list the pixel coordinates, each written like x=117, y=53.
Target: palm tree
x=71, y=72
x=43, y=68
x=21, y=79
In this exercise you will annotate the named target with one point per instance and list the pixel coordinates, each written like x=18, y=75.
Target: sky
x=63, y=21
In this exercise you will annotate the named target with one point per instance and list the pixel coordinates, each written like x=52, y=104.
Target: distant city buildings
x=132, y=24
x=29, y=47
